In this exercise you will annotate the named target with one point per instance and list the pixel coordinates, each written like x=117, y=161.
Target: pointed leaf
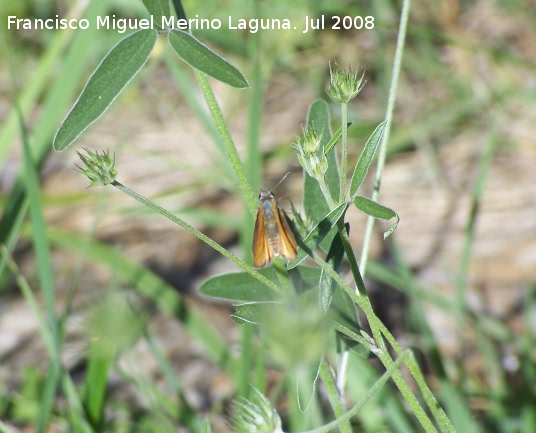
x=344, y=311
x=242, y=287
x=327, y=284
x=119, y=66
x=376, y=210
x=318, y=233
x=202, y=58
x=252, y=312
x=333, y=140
x=365, y=159
x=306, y=380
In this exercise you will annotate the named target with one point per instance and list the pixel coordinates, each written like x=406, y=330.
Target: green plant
x=295, y=328
x=295, y=307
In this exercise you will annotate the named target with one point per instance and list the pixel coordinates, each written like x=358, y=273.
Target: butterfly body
x=272, y=235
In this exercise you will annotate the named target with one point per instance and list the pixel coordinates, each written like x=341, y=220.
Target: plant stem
x=371, y=392
x=344, y=153
x=200, y=236
x=333, y=395
x=230, y=149
x=327, y=195
x=377, y=327
x=385, y=138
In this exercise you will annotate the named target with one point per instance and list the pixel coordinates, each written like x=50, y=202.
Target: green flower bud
x=99, y=168
x=318, y=165
x=344, y=86
x=312, y=141
x=256, y=415
x=310, y=153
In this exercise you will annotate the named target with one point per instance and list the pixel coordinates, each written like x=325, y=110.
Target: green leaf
x=318, y=233
x=119, y=66
x=344, y=312
x=328, y=284
x=306, y=380
x=252, y=312
x=242, y=287
x=158, y=9
x=333, y=140
x=376, y=210
x=314, y=203
x=202, y=58
x=365, y=159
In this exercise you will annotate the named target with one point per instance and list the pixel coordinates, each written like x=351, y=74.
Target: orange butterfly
x=272, y=235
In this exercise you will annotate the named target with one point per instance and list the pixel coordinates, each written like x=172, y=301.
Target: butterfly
x=272, y=235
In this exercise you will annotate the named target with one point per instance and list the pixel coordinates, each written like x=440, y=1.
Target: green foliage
x=307, y=316
x=202, y=58
x=243, y=287
x=314, y=201
x=365, y=160
x=125, y=61
x=326, y=284
x=376, y=210
x=117, y=69
x=318, y=233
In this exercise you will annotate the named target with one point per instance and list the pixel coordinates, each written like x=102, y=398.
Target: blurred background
x=460, y=172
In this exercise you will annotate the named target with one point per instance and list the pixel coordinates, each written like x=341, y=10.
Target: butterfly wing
x=262, y=253
x=287, y=242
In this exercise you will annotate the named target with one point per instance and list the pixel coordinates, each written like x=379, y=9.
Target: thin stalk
x=344, y=152
x=465, y=259
x=327, y=195
x=230, y=149
x=46, y=281
x=383, y=354
x=358, y=406
x=359, y=296
x=360, y=289
x=381, y=163
x=334, y=390
x=360, y=286
x=333, y=395
x=200, y=236
x=389, y=118
x=437, y=411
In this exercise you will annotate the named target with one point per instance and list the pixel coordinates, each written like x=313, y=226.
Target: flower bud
x=310, y=153
x=344, y=86
x=99, y=168
x=256, y=415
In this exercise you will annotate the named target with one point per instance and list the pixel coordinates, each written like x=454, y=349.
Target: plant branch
x=230, y=149
x=200, y=236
